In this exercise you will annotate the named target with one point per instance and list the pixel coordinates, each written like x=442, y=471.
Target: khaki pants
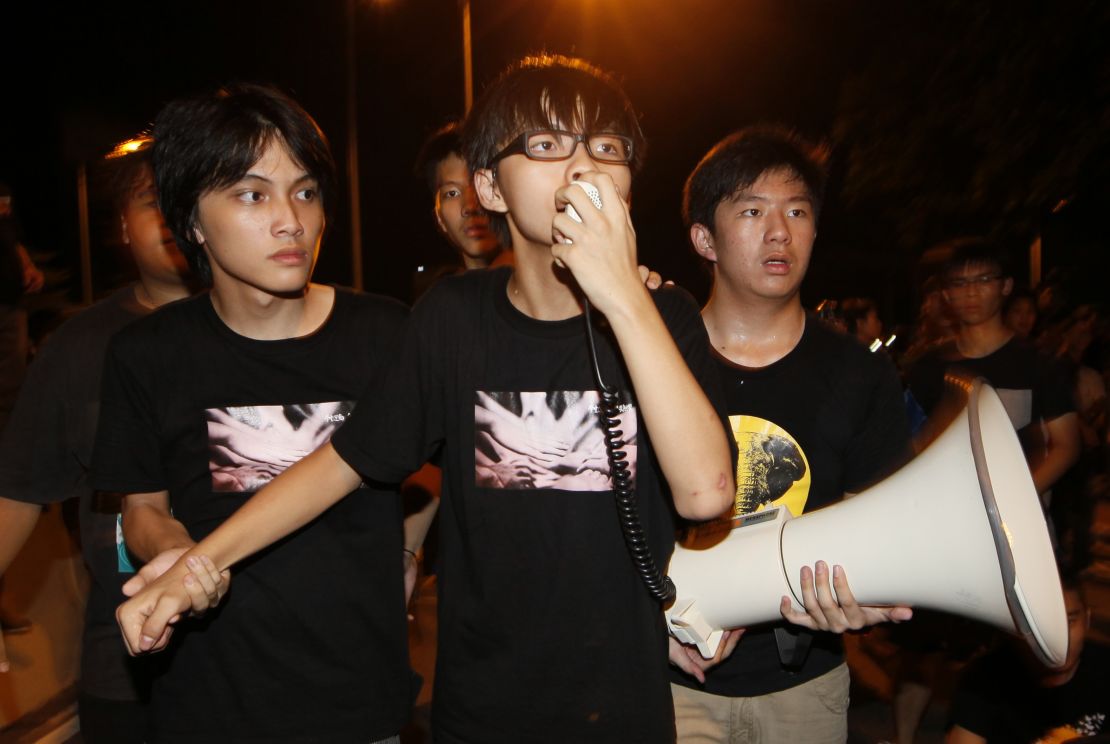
x=811, y=713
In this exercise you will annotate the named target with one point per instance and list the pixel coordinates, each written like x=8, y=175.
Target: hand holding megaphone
x=959, y=529
x=831, y=606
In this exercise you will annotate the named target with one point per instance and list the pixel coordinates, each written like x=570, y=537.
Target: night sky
x=937, y=114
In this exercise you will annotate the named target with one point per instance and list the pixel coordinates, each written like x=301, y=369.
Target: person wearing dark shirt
x=546, y=633
x=1036, y=391
x=815, y=416
x=1009, y=696
x=46, y=451
x=209, y=399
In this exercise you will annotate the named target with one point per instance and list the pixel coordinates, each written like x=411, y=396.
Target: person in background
x=861, y=316
x=1020, y=314
x=46, y=450
x=1010, y=696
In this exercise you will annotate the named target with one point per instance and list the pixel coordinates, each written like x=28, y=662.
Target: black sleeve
x=681, y=315
x=398, y=421
x=881, y=441
x=1055, y=393
x=36, y=464
x=127, y=456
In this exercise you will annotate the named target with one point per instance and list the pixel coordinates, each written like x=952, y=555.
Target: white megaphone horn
x=958, y=529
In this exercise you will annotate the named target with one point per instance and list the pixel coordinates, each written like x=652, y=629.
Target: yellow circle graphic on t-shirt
x=771, y=470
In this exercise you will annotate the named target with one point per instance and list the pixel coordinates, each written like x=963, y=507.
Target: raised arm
x=686, y=433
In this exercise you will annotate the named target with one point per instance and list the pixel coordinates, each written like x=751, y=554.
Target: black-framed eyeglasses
x=963, y=282
x=555, y=144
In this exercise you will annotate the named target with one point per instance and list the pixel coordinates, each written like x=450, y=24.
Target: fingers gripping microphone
x=959, y=529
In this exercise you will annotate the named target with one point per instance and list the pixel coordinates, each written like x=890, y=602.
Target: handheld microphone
x=592, y=192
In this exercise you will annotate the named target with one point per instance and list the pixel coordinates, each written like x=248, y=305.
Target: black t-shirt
x=546, y=632
x=45, y=456
x=826, y=419
x=310, y=644
x=1000, y=700
x=1032, y=386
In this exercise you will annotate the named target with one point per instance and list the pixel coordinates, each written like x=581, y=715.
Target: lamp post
x=468, y=60
x=352, y=149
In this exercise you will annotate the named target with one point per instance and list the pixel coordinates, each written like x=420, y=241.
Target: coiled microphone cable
x=658, y=585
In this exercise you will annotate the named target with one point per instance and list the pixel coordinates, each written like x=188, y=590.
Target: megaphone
x=958, y=529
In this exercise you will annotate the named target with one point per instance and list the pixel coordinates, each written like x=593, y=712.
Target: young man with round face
x=211, y=398
x=814, y=416
x=46, y=450
x=459, y=217
x=546, y=632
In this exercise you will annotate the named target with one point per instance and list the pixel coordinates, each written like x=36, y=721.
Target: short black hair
x=740, y=159
x=440, y=145
x=211, y=141
x=535, y=93
x=975, y=251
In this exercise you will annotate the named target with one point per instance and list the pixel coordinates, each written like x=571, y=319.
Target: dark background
x=943, y=118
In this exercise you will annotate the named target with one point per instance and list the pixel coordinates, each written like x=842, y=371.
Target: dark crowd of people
x=262, y=463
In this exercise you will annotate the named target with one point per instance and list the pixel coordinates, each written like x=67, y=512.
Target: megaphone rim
x=1024, y=621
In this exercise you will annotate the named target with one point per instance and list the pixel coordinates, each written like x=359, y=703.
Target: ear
x=123, y=230
x=702, y=240
x=489, y=193
x=439, y=219
x=198, y=236
x=1007, y=286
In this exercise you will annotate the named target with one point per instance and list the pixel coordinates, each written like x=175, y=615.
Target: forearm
x=686, y=433
x=1063, y=451
x=1051, y=468
x=17, y=520
x=289, y=502
x=149, y=529
x=427, y=482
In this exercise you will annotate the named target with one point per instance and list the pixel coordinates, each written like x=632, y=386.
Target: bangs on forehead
x=572, y=108
x=241, y=158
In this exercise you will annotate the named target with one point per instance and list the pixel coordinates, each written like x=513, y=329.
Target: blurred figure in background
x=18, y=276
x=861, y=319
x=1020, y=314
x=934, y=326
x=1075, y=496
x=47, y=446
x=1009, y=696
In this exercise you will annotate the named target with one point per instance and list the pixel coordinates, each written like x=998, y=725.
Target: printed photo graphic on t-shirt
x=771, y=470
x=249, y=446
x=529, y=440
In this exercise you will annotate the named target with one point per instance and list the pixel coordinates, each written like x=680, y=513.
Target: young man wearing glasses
x=1036, y=391
x=546, y=632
